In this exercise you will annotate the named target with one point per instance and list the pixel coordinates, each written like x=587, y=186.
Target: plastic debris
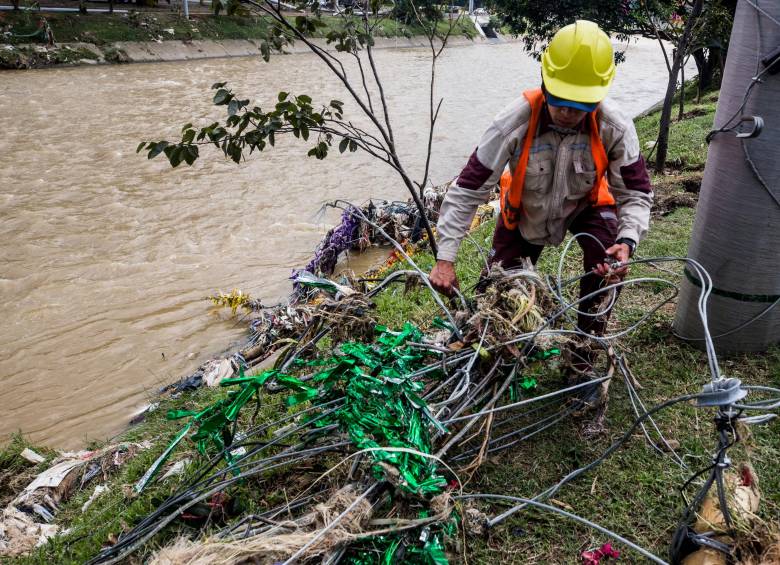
x=307, y=279
x=383, y=408
x=594, y=556
x=55, y=475
x=176, y=469
x=99, y=489
x=152, y=471
x=31, y=456
x=744, y=496
x=399, y=219
x=19, y=533
x=426, y=549
x=25, y=522
x=217, y=372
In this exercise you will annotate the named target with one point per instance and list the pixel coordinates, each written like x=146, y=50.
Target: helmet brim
x=575, y=92
x=562, y=102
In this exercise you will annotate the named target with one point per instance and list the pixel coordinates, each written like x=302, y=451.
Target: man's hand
x=620, y=252
x=443, y=277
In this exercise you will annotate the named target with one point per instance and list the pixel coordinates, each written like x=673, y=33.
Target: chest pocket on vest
x=538, y=175
x=582, y=174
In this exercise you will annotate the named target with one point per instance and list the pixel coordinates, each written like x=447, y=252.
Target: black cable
x=611, y=449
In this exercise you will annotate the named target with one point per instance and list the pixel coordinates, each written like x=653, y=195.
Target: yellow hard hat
x=579, y=63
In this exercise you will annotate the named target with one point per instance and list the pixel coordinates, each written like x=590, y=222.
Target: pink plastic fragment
x=594, y=556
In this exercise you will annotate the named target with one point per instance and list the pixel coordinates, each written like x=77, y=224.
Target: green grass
x=101, y=29
x=634, y=492
x=687, y=145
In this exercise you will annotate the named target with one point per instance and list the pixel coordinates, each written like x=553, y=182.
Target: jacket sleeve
x=477, y=180
x=630, y=185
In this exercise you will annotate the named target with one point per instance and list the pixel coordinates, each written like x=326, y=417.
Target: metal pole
x=735, y=234
x=186, y=4
x=471, y=6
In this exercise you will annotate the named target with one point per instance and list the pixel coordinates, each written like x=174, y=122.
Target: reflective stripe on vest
x=512, y=185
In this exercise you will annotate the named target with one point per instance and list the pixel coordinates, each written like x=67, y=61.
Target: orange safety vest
x=512, y=185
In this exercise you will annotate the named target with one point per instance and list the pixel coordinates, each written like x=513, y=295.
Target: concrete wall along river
x=106, y=257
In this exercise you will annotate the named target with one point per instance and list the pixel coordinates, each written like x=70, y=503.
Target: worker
x=574, y=164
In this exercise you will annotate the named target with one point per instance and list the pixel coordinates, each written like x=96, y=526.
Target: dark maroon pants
x=509, y=248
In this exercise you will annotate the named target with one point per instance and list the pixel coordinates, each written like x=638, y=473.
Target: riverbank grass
x=634, y=492
x=102, y=28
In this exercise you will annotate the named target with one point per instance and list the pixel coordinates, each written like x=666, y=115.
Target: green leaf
x=353, y=145
x=233, y=108
x=175, y=156
x=343, y=145
x=222, y=97
x=157, y=148
x=218, y=134
x=140, y=146
x=265, y=51
x=283, y=96
x=185, y=127
x=190, y=154
x=188, y=136
x=234, y=151
x=304, y=132
x=304, y=99
x=217, y=85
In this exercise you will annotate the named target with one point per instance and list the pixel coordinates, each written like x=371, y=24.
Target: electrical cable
x=611, y=449
x=542, y=506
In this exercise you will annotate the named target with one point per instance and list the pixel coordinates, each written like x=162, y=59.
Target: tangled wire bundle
x=377, y=437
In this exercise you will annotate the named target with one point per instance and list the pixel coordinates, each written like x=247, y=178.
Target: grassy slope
x=102, y=28
x=634, y=492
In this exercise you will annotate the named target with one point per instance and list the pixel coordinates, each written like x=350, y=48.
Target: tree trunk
x=110, y=6
x=16, y=4
x=662, y=147
x=715, y=61
x=701, y=64
x=707, y=62
x=681, y=111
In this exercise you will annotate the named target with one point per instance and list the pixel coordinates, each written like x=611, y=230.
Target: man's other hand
x=620, y=252
x=443, y=277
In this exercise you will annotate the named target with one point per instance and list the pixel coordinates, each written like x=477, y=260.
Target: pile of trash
x=400, y=220
x=391, y=414
x=314, y=296
x=375, y=432
x=26, y=521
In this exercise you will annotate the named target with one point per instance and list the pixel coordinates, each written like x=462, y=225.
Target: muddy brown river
x=106, y=257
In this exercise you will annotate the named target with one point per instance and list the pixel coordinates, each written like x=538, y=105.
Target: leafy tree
x=536, y=21
x=250, y=128
x=230, y=7
x=407, y=11
x=710, y=44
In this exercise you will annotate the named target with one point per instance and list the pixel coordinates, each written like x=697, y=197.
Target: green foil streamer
x=382, y=407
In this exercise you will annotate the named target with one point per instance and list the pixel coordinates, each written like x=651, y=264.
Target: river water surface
x=105, y=257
